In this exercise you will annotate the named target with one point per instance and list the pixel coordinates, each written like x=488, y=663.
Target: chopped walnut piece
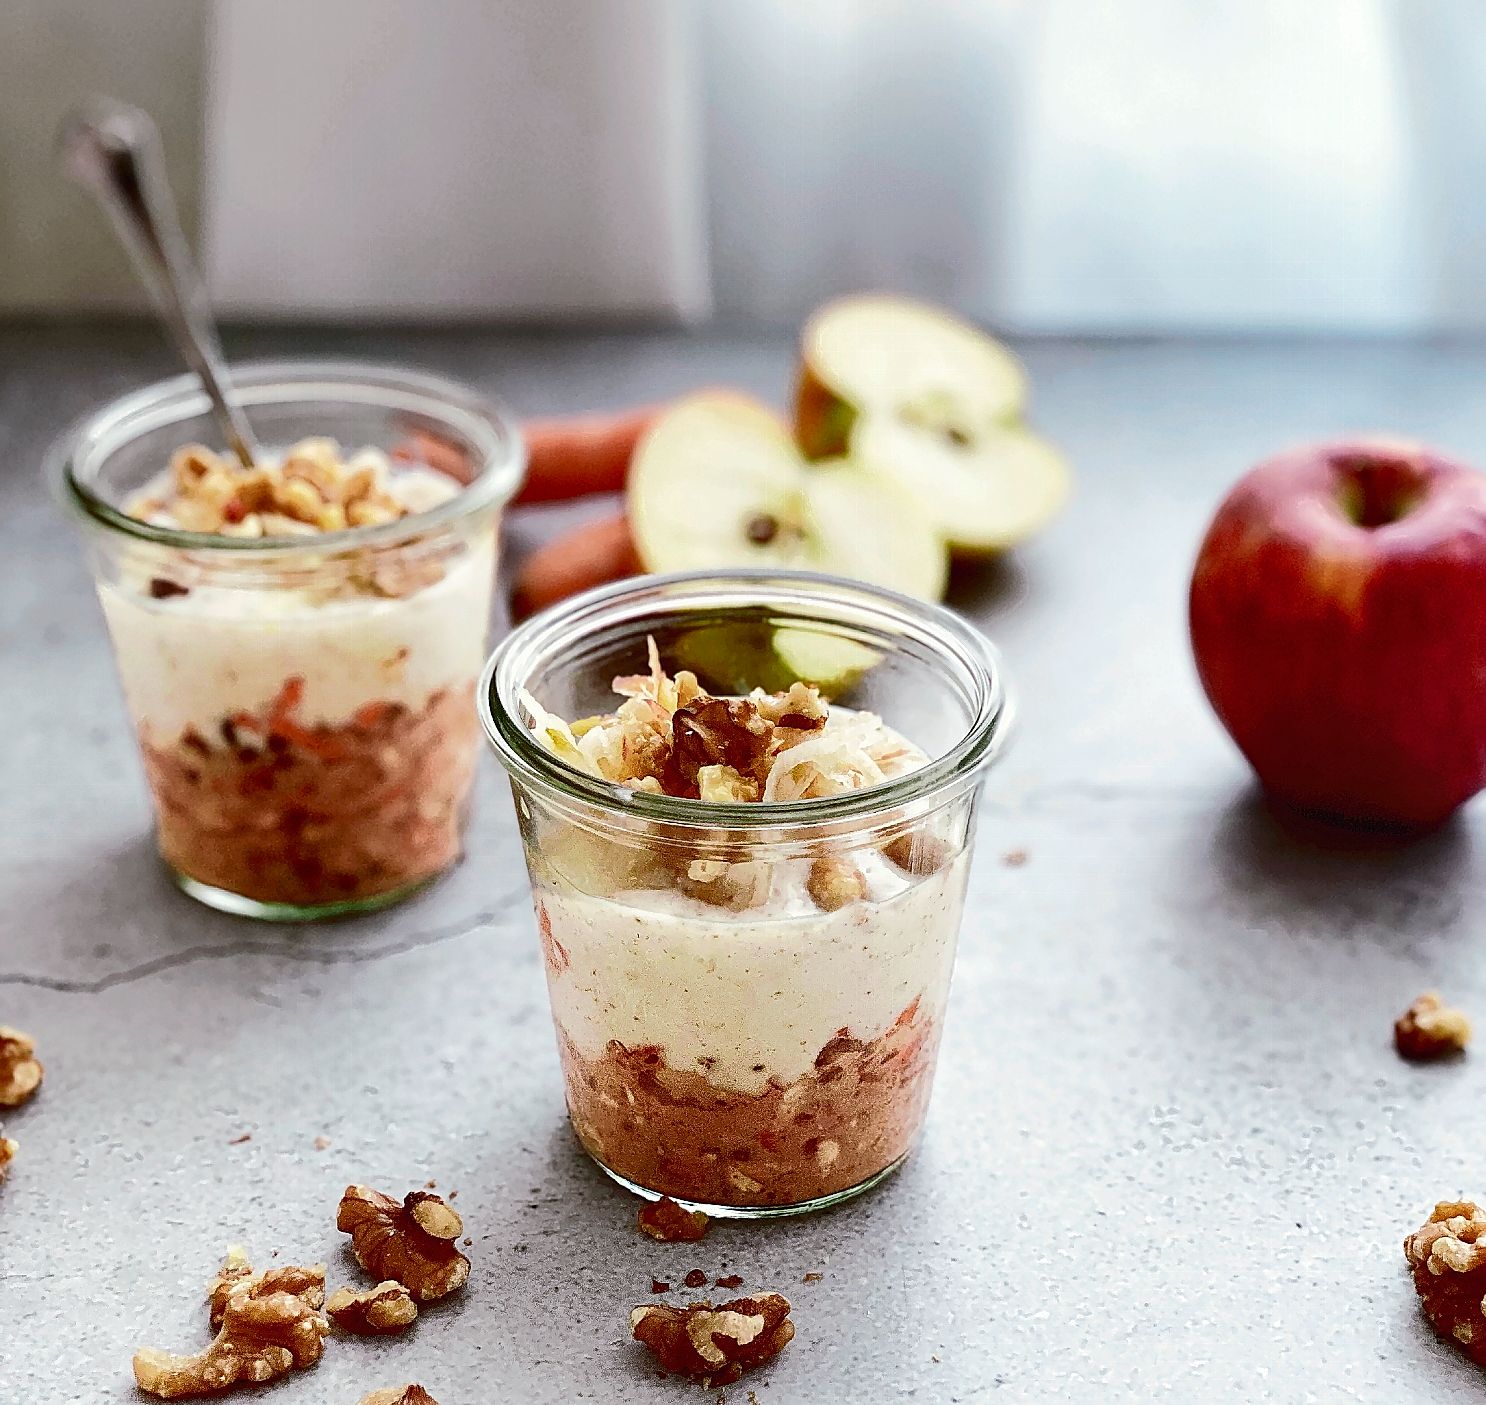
x=667, y=1222
x=307, y=1282
x=8, y=1149
x=1448, y=1256
x=20, y=1073
x=714, y=1346
x=918, y=853
x=695, y=1278
x=411, y=1243
x=265, y=1331
x=812, y=1278
x=375, y=1312
x=835, y=882
x=721, y=732
x=731, y=1282
x=1430, y=1029
x=400, y=1395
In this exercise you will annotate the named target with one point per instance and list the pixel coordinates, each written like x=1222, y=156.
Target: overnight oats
x=299, y=641
x=748, y=900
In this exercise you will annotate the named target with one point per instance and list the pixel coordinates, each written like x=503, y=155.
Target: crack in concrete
x=251, y=946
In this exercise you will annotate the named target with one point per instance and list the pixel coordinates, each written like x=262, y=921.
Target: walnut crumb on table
x=20, y=1070
x=1448, y=1256
x=400, y=1395
x=8, y=1149
x=1430, y=1029
x=411, y=1243
x=665, y=1221
x=714, y=1345
x=373, y=1312
x=268, y=1325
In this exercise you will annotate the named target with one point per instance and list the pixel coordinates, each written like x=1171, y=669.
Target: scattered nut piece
x=400, y=1395
x=322, y=1143
x=411, y=1243
x=1448, y=1256
x=307, y=1282
x=835, y=882
x=731, y=1282
x=20, y=1073
x=659, y=1285
x=1430, y=1029
x=714, y=1345
x=8, y=1149
x=667, y=1222
x=266, y=1331
x=812, y=1278
x=1015, y=858
x=375, y=1312
x=695, y=1278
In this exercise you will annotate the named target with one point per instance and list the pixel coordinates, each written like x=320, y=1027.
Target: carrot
x=567, y=458
x=587, y=556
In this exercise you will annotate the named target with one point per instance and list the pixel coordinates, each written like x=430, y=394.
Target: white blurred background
x=1046, y=165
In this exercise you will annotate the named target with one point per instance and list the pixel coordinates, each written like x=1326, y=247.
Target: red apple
x=1338, y=617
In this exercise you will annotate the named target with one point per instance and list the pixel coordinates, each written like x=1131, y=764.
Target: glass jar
x=749, y=997
x=304, y=705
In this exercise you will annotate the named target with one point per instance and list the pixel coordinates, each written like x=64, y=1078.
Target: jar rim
x=518, y=750
x=102, y=431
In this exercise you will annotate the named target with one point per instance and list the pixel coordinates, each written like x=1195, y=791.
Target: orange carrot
x=567, y=458
x=587, y=556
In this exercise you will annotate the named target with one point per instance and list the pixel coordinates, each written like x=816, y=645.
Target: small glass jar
x=749, y=997
x=303, y=704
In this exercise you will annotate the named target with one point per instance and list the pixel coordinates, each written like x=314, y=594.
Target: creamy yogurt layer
x=751, y=998
x=189, y=660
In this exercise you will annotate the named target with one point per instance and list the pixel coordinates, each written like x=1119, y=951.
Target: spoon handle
x=114, y=151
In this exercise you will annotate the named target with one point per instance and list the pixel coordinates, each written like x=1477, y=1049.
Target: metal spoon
x=114, y=151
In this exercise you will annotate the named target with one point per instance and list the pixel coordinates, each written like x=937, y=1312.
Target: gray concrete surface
x=1171, y=1154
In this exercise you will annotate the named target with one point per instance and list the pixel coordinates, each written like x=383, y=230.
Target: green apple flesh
x=717, y=482
x=928, y=402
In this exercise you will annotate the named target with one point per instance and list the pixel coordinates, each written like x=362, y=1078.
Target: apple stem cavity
x=1376, y=491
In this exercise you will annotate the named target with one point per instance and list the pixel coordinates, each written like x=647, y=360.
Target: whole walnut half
x=714, y=1345
x=411, y=1243
x=20, y=1072
x=1448, y=1256
x=400, y=1395
x=266, y=1331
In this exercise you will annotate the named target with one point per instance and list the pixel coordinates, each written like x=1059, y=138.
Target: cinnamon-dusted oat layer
x=853, y=1115
x=282, y=812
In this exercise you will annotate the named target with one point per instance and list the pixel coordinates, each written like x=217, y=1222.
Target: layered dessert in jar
x=298, y=643
x=747, y=1019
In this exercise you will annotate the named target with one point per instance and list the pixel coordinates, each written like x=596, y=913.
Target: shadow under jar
x=749, y=996
x=303, y=703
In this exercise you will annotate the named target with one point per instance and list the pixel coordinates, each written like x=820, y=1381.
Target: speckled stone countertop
x=1171, y=1153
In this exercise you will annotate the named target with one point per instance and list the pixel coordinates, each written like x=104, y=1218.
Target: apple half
x=930, y=403
x=718, y=482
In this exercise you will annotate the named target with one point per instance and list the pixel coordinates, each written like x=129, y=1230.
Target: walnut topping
x=1448, y=1257
x=312, y=489
x=410, y=1243
x=714, y=1346
x=20, y=1072
x=269, y=1324
x=8, y=1149
x=670, y=736
x=379, y=1311
x=1430, y=1029
x=400, y=1395
x=666, y=1221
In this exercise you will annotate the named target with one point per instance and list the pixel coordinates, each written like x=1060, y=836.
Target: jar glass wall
x=749, y=997
x=303, y=704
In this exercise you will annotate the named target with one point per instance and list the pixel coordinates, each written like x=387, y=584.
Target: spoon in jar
x=114, y=151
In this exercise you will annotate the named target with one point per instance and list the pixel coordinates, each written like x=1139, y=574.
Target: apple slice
x=718, y=482
x=929, y=402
